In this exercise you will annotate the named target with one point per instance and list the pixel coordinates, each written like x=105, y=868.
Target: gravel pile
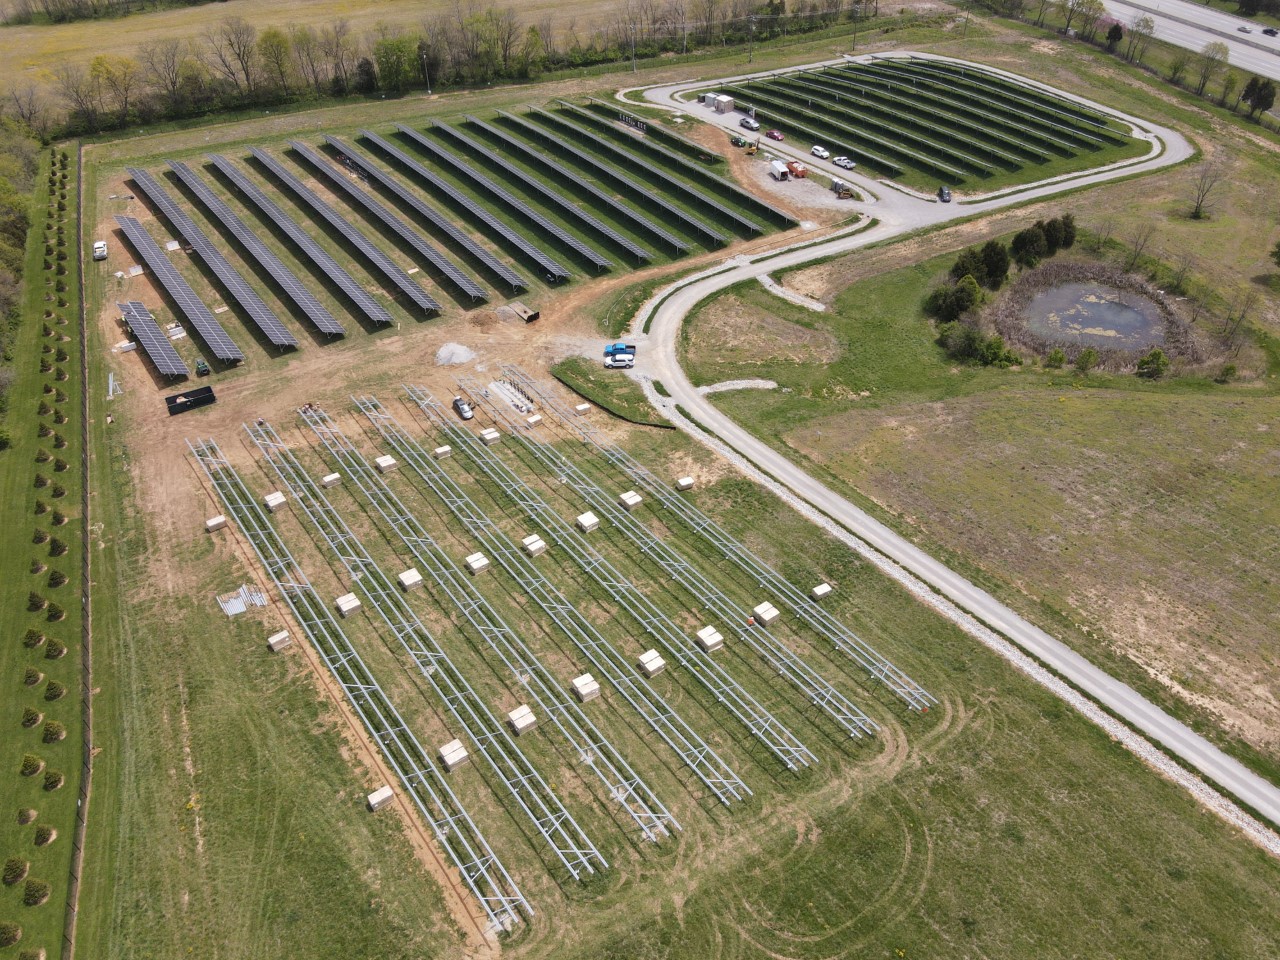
x=452, y=354
x=1251, y=827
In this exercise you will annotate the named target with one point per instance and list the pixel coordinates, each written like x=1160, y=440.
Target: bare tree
x=506, y=30
x=118, y=77
x=1141, y=29
x=1212, y=61
x=1207, y=178
x=30, y=106
x=163, y=62
x=1138, y=240
x=231, y=51
x=75, y=87
x=1183, y=261
x=339, y=49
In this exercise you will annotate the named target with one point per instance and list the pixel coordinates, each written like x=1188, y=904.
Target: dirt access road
x=899, y=213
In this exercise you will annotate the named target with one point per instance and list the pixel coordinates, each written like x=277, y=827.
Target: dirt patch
x=744, y=333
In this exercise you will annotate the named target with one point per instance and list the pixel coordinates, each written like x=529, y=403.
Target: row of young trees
x=233, y=64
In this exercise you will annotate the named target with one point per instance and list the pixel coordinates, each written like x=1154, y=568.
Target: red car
x=774, y=135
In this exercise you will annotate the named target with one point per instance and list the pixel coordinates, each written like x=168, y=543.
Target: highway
x=899, y=212
x=1192, y=26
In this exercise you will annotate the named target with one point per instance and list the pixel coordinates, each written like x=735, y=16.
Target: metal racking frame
x=454, y=830
x=826, y=625
x=539, y=802
x=610, y=665
x=624, y=785
x=762, y=724
x=784, y=661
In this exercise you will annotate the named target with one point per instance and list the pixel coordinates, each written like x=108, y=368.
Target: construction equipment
x=202, y=368
x=753, y=148
x=842, y=189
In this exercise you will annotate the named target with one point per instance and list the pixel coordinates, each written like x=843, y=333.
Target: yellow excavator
x=754, y=147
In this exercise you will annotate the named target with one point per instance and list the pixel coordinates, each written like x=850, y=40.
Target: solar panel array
x=441, y=222
x=631, y=159
x=153, y=340
x=554, y=270
x=534, y=156
x=180, y=292
x=281, y=274
x=638, y=189
x=372, y=253
x=484, y=183
x=328, y=266
x=227, y=275
x=394, y=223
x=553, y=197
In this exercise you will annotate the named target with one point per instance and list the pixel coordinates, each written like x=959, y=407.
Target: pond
x=1095, y=315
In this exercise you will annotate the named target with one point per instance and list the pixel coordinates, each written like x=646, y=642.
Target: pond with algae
x=1096, y=315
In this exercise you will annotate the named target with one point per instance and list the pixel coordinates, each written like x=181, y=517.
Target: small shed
x=630, y=500
x=215, y=523
x=684, y=483
x=278, y=641
x=820, y=591
x=410, y=579
x=453, y=755
x=385, y=463
x=534, y=420
x=441, y=452
x=489, y=436
x=347, y=604
x=380, y=798
x=273, y=501
x=766, y=613
x=534, y=545
x=521, y=719
x=477, y=563
x=586, y=688
x=331, y=480
x=723, y=103
x=587, y=522
x=582, y=409
x=527, y=314
x=710, y=640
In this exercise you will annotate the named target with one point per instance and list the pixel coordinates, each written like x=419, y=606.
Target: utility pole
x=751, y=48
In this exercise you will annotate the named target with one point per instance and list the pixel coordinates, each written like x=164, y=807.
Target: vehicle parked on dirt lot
x=463, y=408
x=739, y=141
x=202, y=368
x=620, y=360
x=619, y=348
x=100, y=250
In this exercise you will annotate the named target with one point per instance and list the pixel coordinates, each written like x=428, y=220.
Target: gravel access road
x=900, y=212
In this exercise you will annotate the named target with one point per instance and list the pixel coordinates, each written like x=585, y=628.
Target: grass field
x=229, y=788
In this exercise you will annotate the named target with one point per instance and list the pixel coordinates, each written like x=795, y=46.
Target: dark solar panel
x=429, y=213
x=227, y=275
x=397, y=226
x=630, y=158
x=281, y=274
x=581, y=185
x=553, y=197
x=634, y=187
x=498, y=193
x=302, y=240
x=553, y=269
x=384, y=264
x=152, y=339
x=180, y=292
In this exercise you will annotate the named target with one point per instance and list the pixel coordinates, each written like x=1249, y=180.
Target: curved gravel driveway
x=898, y=213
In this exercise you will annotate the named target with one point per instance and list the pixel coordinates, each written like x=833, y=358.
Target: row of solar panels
x=222, y=345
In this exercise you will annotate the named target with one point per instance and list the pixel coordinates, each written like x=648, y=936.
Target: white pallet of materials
x=410, y=579
x=710, y=640
x=477, y=563
x=453, y=755
x=347, y=604
x=489, y=436
x=534, y=545
x=587, y=522
x=441, y=452
x=521, y=719
x=820, y=591
x=766, y=613
x=273, y=501
x=651, y=663
x=684, y=483
x=330, y=479
x=278, y=641
x=630, y=500
x=380, y=798
x=582, y=409
x=215, y=523
x=385, y=463
x=586, y=687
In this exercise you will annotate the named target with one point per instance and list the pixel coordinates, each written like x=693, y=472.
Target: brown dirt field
x=740, y=332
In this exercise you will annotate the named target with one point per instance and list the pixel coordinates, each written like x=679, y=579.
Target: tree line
x=67, y=11
x=233, y=64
